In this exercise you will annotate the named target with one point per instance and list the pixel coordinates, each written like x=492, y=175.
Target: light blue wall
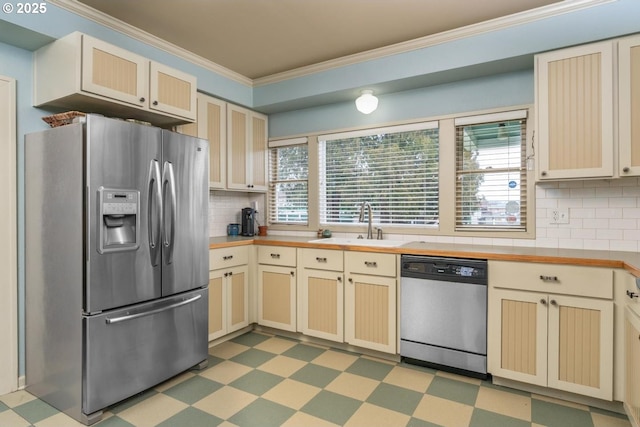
x=501, y=90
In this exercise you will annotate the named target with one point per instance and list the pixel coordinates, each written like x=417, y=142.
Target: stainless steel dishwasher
x=443, y=313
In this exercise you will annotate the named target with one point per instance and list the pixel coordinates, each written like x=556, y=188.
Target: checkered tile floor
x=264, y=380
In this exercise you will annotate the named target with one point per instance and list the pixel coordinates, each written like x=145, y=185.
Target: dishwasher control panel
x=449, y=269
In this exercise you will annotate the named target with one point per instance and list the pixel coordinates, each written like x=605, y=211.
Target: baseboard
x=22, y=382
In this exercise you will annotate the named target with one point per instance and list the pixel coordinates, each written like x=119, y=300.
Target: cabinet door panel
x=258, y=167
x=574, y=99
x=323, y=306
x=277, y=297
x=370, y=310
x=217, y=305
x=632, y=369
x=581, y=345
x=629, y=99
x=238, y=133
x=238, y=298
x=172, y=91
x=517, y=336
x=115, y=73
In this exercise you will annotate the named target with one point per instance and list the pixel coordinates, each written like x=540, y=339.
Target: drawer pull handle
x=543, y=301
x=549, y=278
x=227, y=257
x=371, y=264
x=277, y=256
x=632, y=295
x=319, y=259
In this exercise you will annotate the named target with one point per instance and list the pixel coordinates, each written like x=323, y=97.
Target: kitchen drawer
x=585, y=281
x=228, y=257
x=371, y=263
x=277, y=255
x=322, y=259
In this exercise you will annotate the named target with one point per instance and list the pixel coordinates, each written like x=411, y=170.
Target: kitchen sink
x=360, y=242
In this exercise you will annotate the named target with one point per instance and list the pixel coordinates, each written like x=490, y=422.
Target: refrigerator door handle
x=154, y=211
x=169, y=184
x=111, y=321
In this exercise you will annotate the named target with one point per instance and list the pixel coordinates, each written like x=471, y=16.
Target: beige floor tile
x=152, y=411
x=174, y=381
x=282, y=365
x=11, y=419
x=227, y=424
x=16, y=398
x=226, y=372
x=559, y=401
x=409, y=378
x=353, y=386
x=504, y=403
x=225, y=402
x=335, y=360
x=601, y=420
x=58, y=420
x=227, y=350
x=293, y=394
x=370, y=415
x=276, y=345
x=300, y=419
x=457, y=377
x=443, y=412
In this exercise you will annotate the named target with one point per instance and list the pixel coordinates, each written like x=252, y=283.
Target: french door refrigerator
x=117, y=265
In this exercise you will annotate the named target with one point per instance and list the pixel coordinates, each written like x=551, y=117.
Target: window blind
x=288, y=181
x=395, y=169
x=491, y=176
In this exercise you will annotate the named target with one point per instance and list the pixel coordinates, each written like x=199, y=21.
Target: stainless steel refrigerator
x=117, y=263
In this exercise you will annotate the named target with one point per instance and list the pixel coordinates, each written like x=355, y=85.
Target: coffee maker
x=248, y=219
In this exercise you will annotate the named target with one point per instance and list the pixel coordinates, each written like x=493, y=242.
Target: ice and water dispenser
x=119, y=220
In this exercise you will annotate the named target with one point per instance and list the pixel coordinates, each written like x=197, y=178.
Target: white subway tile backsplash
x=582, y=193
x=593, y=202
x=631, y=213
x=609, y=213
x=583, y=233
x=600, y=223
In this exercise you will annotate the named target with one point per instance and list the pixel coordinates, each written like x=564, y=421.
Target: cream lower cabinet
x=632, y=366
x=552, y=340
x=228, y=291
x=321, y=294
x=370, y=300
x=277, y=287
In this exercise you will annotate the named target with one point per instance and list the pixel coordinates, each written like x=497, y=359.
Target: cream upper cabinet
x=211, y=124
x=81, y=72
x=370, y=300
x=321, y=294
x=277, y=287
x=247, y=149
x=629, y=105
x=575, y=115
x=228, y=290
x=552, y=339
x=172, y=91
x=114, y=73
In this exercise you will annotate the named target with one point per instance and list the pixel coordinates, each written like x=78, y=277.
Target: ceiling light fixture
x=367, y=103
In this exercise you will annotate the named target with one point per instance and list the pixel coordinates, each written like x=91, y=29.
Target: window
x=395, y=169
x=491, y=172
x=288, y=183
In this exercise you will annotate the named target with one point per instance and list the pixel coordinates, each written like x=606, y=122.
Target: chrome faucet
x=361, y=219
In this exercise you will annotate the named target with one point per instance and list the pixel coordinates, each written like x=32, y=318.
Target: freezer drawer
x=132, y=349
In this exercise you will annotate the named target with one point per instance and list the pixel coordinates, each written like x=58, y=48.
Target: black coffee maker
x=248, y=219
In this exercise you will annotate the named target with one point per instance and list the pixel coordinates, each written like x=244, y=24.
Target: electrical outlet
x=559, y=216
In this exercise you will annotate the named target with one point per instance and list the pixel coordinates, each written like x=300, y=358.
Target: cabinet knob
x=155, y=102
x=543, y=173
x=553, y=302
x=293, y=274
x=625, y=169
x=543, y=301
x=339, y=279
x=231, y=273
x=350, y=280
x=142, y=99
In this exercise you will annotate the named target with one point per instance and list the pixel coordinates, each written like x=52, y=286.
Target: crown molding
x=102, y=18
x=521, y=18
x=562, y=7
